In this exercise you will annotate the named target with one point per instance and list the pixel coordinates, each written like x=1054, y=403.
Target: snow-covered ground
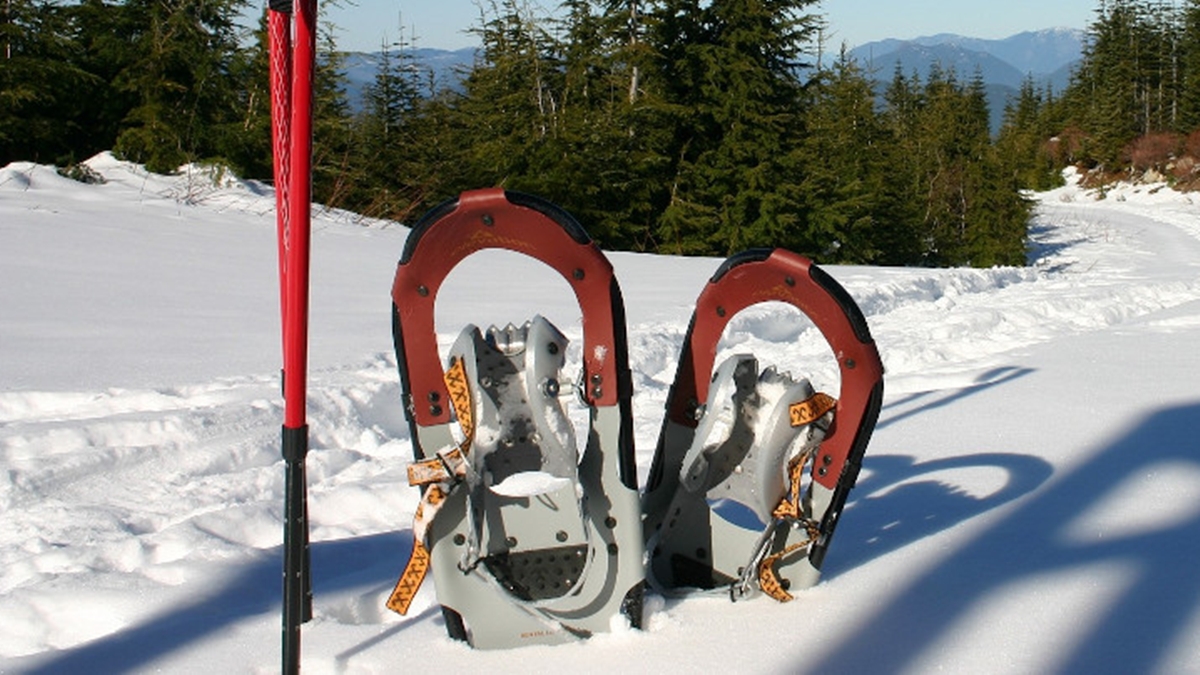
x=1030, y=502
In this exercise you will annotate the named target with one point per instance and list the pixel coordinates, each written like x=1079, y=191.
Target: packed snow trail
x=1026, y=505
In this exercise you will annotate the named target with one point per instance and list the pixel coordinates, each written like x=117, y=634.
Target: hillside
x=1028, y=503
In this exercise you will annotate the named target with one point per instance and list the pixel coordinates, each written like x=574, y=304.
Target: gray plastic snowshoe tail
x=719, y=520
x=528, y=528
x=526, y=550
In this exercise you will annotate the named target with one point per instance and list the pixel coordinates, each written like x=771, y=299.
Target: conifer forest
x=671, y=126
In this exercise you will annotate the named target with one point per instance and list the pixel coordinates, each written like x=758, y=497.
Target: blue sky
x=441, y=23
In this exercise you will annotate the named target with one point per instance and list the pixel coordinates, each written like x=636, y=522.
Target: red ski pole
x=292, y=66
x=279, y=39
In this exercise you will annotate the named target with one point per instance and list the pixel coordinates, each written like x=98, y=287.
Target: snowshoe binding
x=530, y=541
x=726, y=506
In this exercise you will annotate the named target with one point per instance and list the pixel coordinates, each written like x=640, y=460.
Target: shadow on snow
x=985, y=381
x=898, y=500
x=1133, y=633
x=362, y=564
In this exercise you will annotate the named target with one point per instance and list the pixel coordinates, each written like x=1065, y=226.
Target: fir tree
x=731, y=72
x=844, y=184
x=606, y=169
x=388, y=141
x=1024, y=136
x=335, y=171
x=1189, y=61
x=181, y=78
x=507, y=115
x=44, y=88
x=242, y=139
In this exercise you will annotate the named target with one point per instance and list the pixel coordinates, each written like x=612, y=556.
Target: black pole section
x=297, y=577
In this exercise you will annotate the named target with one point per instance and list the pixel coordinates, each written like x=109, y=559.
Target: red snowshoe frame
x=496, y=219
x=476, y=608
x=745, y=280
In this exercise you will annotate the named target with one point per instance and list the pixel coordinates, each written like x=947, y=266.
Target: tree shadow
x=1039, y=251
x=360, y=563
x=901, y=501
x=983, y=382
x=1136, y=629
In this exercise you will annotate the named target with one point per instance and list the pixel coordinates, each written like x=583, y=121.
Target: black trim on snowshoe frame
x=857, y=321
x=551, y=211
x=565, y=220
x=747, y=256
x=848, y=478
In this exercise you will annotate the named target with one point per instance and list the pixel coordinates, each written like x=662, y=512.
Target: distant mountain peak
x=1047, y=55
x=1037, y=52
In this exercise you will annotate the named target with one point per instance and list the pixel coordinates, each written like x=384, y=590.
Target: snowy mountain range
x=1046, y=55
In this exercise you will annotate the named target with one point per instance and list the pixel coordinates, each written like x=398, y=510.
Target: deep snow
x=1030, y=502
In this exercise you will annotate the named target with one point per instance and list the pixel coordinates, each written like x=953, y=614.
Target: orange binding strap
x=804, y=412
x=811, y=409
x=414, y=571
x=768, y=581
x=789, y=509
x=439, y=474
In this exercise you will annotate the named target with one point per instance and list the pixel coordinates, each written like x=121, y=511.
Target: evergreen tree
x=607, y=170
x=335, y=173
x=507, y=116
x=730, y=70
x=388, y=141
x=942, y=167
x=680, y=126
x=903, y=151
x=181, y=78
x=44, y=89
x=963, y=202
x=1128, y=81
x=995, y=213
x=1024, y=134
x=243, y=139
x=1189, y=61
x=850, y=214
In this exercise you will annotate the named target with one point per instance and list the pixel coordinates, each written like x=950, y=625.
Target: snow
x=1030, y=501
x=530, y=484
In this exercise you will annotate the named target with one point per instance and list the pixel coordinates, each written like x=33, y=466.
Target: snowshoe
x=529, y=540
x=726, y=506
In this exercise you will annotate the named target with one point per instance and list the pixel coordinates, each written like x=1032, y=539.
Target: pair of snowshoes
x=534, y=541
